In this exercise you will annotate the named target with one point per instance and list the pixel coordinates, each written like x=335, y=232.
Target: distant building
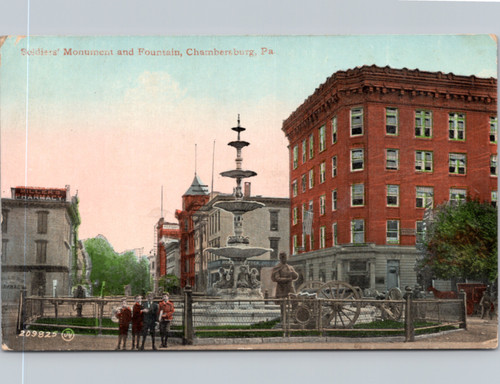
x=167, y=254
x=267, y=227
x=370, y=150
x=39, y=245
x=195, y=197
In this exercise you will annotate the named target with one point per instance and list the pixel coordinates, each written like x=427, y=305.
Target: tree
x=116, y=270
x=461, y=242
x=170, y=283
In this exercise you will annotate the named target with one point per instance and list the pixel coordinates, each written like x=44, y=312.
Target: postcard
x=171, y=193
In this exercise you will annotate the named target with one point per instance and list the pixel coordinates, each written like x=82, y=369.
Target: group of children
x=144, y=318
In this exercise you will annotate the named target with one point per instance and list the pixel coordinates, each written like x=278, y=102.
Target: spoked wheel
x=339, y=314
x=310, y=286
x=393, y=311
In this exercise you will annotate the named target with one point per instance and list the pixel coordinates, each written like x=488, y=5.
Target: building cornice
x=47, y=204
x=401, y=82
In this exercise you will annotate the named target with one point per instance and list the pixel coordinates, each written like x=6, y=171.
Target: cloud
x=487, y=73
x=155, y=87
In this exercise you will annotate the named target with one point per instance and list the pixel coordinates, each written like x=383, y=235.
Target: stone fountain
x=239, y=281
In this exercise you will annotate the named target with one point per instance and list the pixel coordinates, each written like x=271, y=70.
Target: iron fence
x=202, y=317
x=93, y=314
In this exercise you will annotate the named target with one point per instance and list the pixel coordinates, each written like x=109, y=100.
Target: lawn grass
x=82, y=322
x=373, y=329
x=261, y=329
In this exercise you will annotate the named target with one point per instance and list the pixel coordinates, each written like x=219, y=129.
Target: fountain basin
x=238, y=253
x=238, y=174
x=238, y=206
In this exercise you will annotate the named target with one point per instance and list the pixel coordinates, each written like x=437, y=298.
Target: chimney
x=247, y=189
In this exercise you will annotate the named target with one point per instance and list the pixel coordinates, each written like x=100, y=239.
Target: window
x=334, y=200
x=334, y=166
x=392, y=234
x=304, y=151
x=494, y=198
x=311, y=241
x=357, y=195
x=457, y=163
x=334, y=234
x=356, y=121
x=311, y=178
x=493, y=165
x=456, y=123
x=493, y=129
x=295, y=217
x=274, y=220
x=322, y=273
x=391, y=121
x=393, y=195
x=423, y=161
x=425, y=197
x=322, y=237
x=295, y=188
x=358, y=231
x=5, y=219
x=295, y=157
x=457, y=195
x=4, y=250
x=322, y=172
x=41, y=252
x=304, y=209
x=42, y=222
x=322, y=204
x=423, y=124
x=311, y=146
x=334, y=130
x=304, y=183
x=392, y=159
x=38, y=283
x=357, y=159
x=420, y=237
x=274, y=245
x=322, y=138
x=295, y=245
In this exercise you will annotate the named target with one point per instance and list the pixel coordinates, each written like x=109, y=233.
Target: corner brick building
x=370, y=149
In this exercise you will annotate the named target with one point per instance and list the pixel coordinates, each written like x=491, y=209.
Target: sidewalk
x=481, y=334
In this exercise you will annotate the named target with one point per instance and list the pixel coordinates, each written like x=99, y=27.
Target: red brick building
x=166, y=234
x=370, y=149
x=195, y=197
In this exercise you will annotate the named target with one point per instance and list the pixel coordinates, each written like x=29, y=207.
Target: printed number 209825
x=39, y=334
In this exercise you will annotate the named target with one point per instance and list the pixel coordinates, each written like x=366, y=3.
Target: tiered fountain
x=238, y=284
x=239, y=279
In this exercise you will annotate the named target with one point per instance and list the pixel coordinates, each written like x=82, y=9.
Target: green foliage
x=170, y=283
x=461, y=242
x=116, y=270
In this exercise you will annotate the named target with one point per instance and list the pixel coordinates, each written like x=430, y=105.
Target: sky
x=117, y=128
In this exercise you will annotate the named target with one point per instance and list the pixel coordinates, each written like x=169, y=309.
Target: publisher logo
x=68, y=334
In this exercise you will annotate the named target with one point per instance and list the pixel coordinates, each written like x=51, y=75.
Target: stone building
x=39, y=252
x=370, y=150
x=267, y=227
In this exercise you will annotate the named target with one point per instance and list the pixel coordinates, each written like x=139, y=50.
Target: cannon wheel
x=393, y=311
x=339, y=314
x=311, y=284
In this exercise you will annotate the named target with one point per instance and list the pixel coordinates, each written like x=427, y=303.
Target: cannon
x=338, y=304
